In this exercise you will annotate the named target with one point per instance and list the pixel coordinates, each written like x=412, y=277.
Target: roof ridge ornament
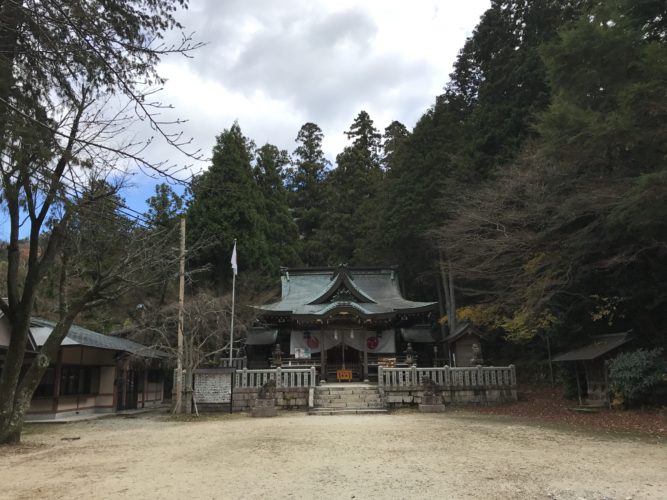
x=341, y=269
x=342, y=288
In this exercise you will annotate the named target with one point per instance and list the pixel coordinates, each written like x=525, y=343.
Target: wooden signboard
x=387, y=362
x=344, y=375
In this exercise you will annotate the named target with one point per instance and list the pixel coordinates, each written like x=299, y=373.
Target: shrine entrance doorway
x=344, y=357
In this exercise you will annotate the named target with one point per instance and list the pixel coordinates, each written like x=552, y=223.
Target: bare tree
x=74, y=77
x=206, y=332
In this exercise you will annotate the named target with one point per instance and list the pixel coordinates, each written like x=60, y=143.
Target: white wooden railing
x=284, y=377
x=450, y=378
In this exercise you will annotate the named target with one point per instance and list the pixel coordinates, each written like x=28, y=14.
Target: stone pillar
x=279, y=380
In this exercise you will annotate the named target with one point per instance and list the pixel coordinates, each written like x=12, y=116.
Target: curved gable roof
x=318, y=292
x=342, y=285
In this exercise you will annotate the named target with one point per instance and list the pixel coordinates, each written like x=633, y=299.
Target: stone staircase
x=347, y=399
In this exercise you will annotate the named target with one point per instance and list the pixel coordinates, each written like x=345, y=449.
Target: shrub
x=638, y=376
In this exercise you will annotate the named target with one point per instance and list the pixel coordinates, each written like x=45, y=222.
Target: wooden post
x=231, y=326
x=323, y=360
x=181, y=302
x=576, y=371
x=365, y=368
x=606, y=383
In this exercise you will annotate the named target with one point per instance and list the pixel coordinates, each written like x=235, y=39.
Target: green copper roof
x=320, y=292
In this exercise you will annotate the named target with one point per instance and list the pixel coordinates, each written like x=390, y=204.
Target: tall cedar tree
x=282, y=232
x=353, y=186
x=226, y=204
x=306, y=184
x=473, y=129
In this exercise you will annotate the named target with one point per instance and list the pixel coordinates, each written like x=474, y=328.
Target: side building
x=93, y=373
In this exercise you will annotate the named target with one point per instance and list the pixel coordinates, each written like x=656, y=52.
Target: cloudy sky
x=274, y=65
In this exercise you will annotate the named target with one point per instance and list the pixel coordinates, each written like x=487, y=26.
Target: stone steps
x=348, y=411
x=349, y=404
x=347, y=399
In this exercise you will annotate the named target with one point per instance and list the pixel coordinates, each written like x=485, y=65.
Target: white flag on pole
x=235, y=267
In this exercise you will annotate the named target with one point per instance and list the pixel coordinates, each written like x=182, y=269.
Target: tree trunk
x=452, y=299
x=448, y=287
x=441, y=308
x=62, y=304
x=16, y=396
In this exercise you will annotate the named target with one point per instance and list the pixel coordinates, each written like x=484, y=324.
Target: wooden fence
x=450, y=378
x=284, y=377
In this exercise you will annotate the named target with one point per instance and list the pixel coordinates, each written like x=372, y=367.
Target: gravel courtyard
x=401, y=455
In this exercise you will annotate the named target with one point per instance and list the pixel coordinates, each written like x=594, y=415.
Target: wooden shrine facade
x=351, y=319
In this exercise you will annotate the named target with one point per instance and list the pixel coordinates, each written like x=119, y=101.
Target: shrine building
x=351, y=319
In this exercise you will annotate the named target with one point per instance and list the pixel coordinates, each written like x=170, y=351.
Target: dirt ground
x=399, y=455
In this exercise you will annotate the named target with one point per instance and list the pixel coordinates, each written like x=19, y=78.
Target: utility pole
x=181, y=302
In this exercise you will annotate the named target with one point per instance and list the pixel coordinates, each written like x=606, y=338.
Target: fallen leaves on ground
x=549, y=405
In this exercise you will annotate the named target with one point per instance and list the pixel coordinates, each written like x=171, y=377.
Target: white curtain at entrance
x=357, y=339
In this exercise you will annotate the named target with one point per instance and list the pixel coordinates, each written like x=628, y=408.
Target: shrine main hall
x=350, y=319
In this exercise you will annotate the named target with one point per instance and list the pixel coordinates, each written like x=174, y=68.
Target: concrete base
x=264, y=411
x=264, y=408
x=437, y=408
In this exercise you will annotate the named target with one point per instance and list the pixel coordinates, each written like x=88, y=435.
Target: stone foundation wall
x=287, y=398
x=405, y=396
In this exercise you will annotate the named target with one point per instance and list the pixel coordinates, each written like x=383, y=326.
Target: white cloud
x=273, y=65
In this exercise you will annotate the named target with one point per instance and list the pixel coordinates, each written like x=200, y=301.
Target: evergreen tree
x=353, y=186
x=164, y=207
x=226, y=203
x=393, y=139
x=307, y=191
x=282, y=232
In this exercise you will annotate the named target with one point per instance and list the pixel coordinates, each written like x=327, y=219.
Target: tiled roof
x=370, y=291
x=41, y=329
x=599, y=345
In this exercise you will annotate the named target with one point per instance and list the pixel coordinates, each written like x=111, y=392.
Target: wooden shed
x=590, y=360
x=464, y=345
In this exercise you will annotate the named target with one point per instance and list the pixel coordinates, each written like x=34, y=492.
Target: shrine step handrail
x=449, y=377
x=284, y=377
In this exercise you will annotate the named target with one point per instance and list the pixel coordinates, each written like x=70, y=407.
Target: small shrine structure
x=345, y=322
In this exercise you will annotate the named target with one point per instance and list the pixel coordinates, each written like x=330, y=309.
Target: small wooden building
x=93, y=373
x=464, y=345
x=590, y=365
